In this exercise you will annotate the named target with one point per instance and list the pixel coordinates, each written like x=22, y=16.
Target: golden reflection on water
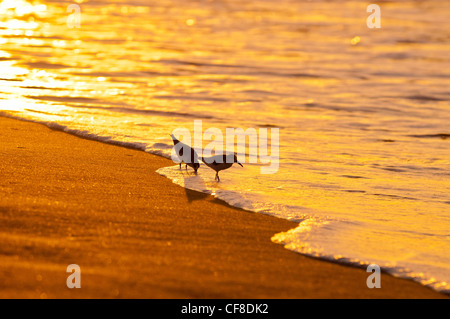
x=346, y=98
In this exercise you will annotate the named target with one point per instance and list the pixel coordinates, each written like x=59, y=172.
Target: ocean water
x=363, y=114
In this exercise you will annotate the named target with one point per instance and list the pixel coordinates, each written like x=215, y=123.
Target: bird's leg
x=186, y=166
x=217, y=176
x=180, y=165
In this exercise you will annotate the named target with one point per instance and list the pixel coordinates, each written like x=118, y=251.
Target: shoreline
x=71, y=200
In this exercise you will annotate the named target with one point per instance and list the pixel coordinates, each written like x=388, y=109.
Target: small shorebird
x=220, y=162
x=186, y=154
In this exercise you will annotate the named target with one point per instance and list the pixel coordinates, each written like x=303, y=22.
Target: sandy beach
x=135, y=234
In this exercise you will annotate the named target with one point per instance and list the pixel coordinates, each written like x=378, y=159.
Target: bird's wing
x=209, y=160
x=188, y=154
x=194, y=155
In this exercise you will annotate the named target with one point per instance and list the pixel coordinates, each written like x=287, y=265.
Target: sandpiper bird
x=186, y=154
x=220, y=162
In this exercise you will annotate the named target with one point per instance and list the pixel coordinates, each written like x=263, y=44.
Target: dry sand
x=66, y=200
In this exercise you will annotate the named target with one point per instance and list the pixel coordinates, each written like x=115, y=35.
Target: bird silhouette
x=186, y=154
x=220, y=162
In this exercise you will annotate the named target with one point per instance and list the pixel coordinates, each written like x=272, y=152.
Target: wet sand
x=66, y=200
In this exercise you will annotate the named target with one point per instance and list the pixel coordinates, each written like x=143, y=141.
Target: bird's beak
x=240, y=164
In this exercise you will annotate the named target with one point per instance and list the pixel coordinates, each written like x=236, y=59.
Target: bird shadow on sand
x=193, y=181
x=202, y=186
x=194, y=195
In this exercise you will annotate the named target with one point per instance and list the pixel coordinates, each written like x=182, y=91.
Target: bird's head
x=196, y=166
x=174, y=139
